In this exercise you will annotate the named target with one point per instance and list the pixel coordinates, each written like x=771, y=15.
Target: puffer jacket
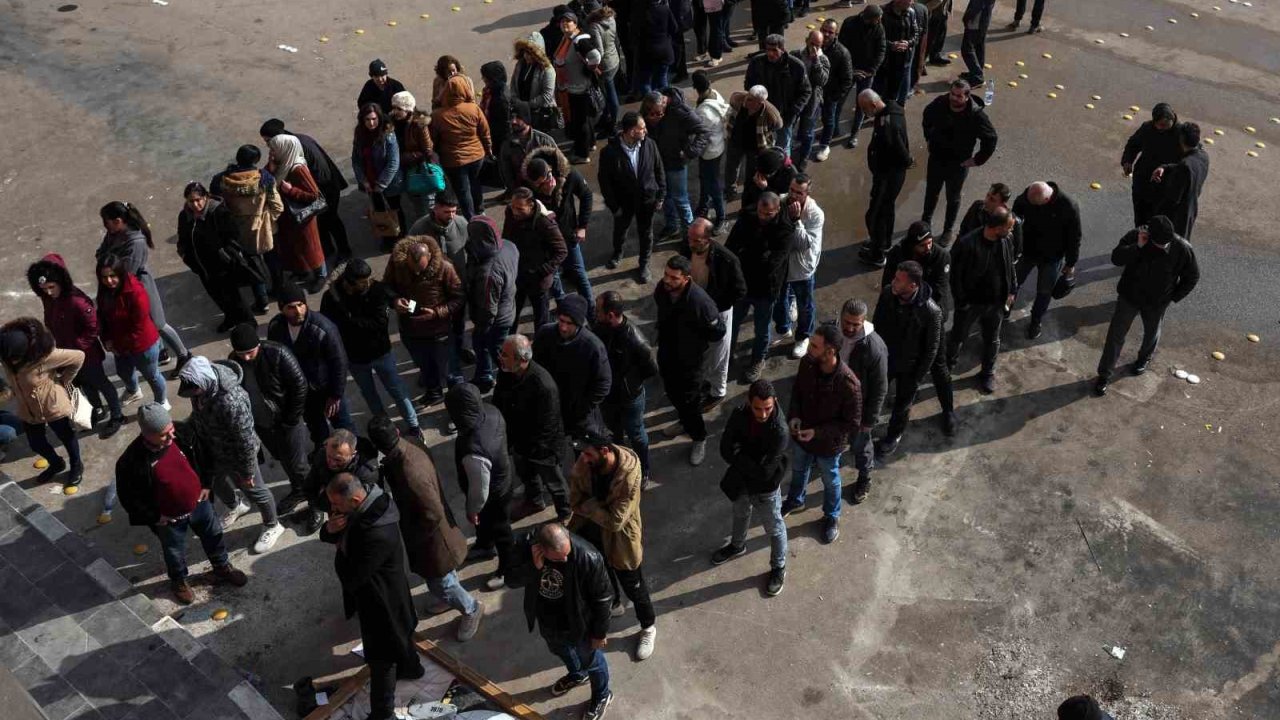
x=318, y=350
x=385, y=159
x=603, y=26
x=202, y=242
x=828, y=404
x=251, y=196
x=617, y=515
x=757, y=461
x=71, y=317
x=222, y=418
x=280, y=380
x=787, y=81
x=459, y=129
x=41, y=378
x=580, y=367
x=571, y=199
x=952, y=135
x=714, y=112
x=680, y=134
x=362, y=320
x=492, y=266
x=438, y=288
x=630, y=359
x=912, y=332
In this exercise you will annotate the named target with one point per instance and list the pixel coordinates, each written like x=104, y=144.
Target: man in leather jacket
x=631, y=362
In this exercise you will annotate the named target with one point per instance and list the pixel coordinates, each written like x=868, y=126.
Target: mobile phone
x=413, y=306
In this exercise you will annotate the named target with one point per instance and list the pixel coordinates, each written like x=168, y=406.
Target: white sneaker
x=793, y=310
x=823, y=153
x=644, y=642
x=800, y=349
x=166, y=405
x=781, y=338
x=698, y=453
x=495, y=582
x=132, y=397
x=234, y=514
x=714, y=62
x=268, y=538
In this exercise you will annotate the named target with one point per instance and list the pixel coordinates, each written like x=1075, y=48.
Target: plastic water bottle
x=990, y=95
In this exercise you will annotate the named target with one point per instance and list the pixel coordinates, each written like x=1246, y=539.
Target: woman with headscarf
x=533, y=80
x=251, y=196
x=495, y=101
x=447, y=67
x=209, y=244
x=375, y=160
x=128, y=237
x=460, y=134
x=297, y=244
x=72, y=318
x=124, y=322
x=40, y=375
x=414, y=141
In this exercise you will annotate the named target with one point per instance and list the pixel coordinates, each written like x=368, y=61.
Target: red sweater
x=125, y=318
x=177, y=485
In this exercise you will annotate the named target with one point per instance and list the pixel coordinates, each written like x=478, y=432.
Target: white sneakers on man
x=268, y=538
x=800, y=349
x=644, y=642
x=230, y=517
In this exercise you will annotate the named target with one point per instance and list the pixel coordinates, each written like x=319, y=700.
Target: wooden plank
x=482, y=684
x=346, y=690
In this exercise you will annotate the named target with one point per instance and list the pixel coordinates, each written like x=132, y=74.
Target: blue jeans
x=385, y=368
x=173, y=539
x=677, y=200
x=832, y=109
x=1047, y=272
x=808, y=128
x=763, y=312
x=627, y=418
x=487, y=343
x=448, y=589
x=611, y=104
x=712, y=188
x=146, y=362
x=577, y=267
x=653, y=77
x=806, y=311
x=770, y=507
x=431, y=355
x=581, y=659
x=10, y=427
x=465, y=181
x=829, y=467
x=782, y=139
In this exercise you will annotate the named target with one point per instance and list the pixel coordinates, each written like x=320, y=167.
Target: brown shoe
x=182, y=591
x=229, y=575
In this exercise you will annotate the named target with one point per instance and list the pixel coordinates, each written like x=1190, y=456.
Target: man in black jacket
x=630, y=363
x=865, y=354
x=718, y=272
x=681, y=136
x=998, y=196
x=342, y=452
x=773, y=173
x=568, y=596
x=953, y=123
x=277, y=391
x=542, y=249
x=576, y=359
x=1159, y=268
x=565, y=192
x=633, y=183
x=911, y=325
x=787, y=81
x=1151, y=146
x=863, y=36
x=920, y=245
x=902, y=36
x=888, y=158
x=754, y=446
x=330, y=180
x=1180, y=182
x=839, y=82
x=688, y=323
x=316, y=344
x=379, y=88
x=360, y=307
x=1051, y=232
x=762, y=241
x=982, y=281
x=527, y=396
x=370, y=564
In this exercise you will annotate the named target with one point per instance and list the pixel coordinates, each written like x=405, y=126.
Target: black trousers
x=973, y=49
x=333, y=233
x=991, y=318
x=1143, y=206
x=943, y=173
x=699, y=29
x=320, y=426
x=1121, y=320
x=764, y=29
x=382, y=685
x=880, y=217
x=643, y=217
x=937, y=33
x=906, y=388
x=227, y=296
x=494, y=528
x=1037, y=10
x=538, y=298
x=582, y=125
x=288, y=445
x=684, y=389
x=632, y=584
x=546, y=474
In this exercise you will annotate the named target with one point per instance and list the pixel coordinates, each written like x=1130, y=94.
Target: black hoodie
x=497, y=110
x=482, y=433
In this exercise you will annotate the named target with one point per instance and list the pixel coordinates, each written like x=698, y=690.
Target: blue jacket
x=386, y=161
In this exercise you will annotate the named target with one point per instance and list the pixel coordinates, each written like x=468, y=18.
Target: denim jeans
x=711, y=188
x=431, y=355
x=465, y=181
x=577, y=268
x=649, y=77
x=580, y=659
x=807, y=128
x=807, y=311
x=677, y=200
x=770, y=507
x=487, y=343
x=231, y=491
x=863, y=451
x=829, y=467
x=385, y=368
x=10, y=427
x=611, y=105
x=97, y=387
x=763, y=311
x=1047, y=272
x=448, y=589
x=147, y=363
x=782, y=139
x=832, y=109
x=627, y=418
x=173, y=539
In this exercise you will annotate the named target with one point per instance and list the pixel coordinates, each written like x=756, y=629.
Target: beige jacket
x=618, y=515
x=41, y=386
x=255, y=206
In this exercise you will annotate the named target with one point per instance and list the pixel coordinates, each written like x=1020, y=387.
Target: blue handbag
x=425, y=179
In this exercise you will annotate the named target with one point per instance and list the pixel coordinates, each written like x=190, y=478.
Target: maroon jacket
x=71, y=316
x=829, y=404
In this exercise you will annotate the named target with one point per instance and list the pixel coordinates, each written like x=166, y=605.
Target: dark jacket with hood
x=1153, y=276
x=1149, y=148
x=432, y=540
x=654, y=33
x=580, y=367
x=492, y=267
x=865, y=43
x=787, y=81
x=71, y=317
x=830, y=404
x=1180, y=190
x=496, y=101
x=532, y=402
x=912, y=332
x=687, y=325
x=222, y=418
x=363, y=321
x=951, y=135
x=764, y=249
x=967, y=269
x=136, y=477
x=570, y=200
x=936, y=265
x=363, y=464
x=725, y=283
x=623, y=187
x=204, y=242
x=588, y=594
x=681, y=135
x=890, y=147
x=757, y=454
x=318, y=350
x=540, y=243
x=1052, y=230
x=279, y=379
x=630, y=359
x=370, y=564
x=482, y=436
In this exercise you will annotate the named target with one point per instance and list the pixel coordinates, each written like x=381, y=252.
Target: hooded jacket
x=951, y=135
x=890, y=147
x=570, y=200
x=432, y=540
x=757, y=454
x=603, y=26
x=71, y=317
x=318, y=350
x=630, y=359
x=714, y=113
x=616, y=516
x=124, y=318
x=1180, y=191
x=680, y=134
x=222, y=418
x=459, y=129
x=725, y=282
x=362, y=320
x=1147, y=149
x=912, y=332
x=787, y=81
x=492, y=267
x=41, y=376
x=764, y=248
x=1052, y=230
x=830, y=404
x=279, y=379
x=868, y=358
x=250, y=195
x=480, y=450
x=438, y=288
x=865, y=42
x=623, y=187
x=540, y=244
x=936, y=265
x=687, y=325
x=495, y=101
x=580, y=367
x=1153, y=276
x=451, y=237
x=203, y=241
x=532, y=403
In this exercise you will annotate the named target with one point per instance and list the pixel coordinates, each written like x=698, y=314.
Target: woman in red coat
x=124, y=319
x=297, y=244
x=72, y=318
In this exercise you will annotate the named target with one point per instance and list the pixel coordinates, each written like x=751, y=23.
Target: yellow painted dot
x=1019, y=63
x=1088, y=106
x=1095, y=185
x=986, y=66
x=139, y=549
x=1127, y=117
x=1134, y=108
x=1275, y=121
x=70, y=490
x=1124, y=34
x=1096, y=97
x=1259, y=144
x=1217, y=355
x=1013, y=83
x=1173, y=21
x=811, y=26
x=1250, y=129
x=822, y=19
x=1052, y=95
x=324, y=38
x=392, y=23
x=220, y=614
x=1100, y=41
x=1046, y=56
x=1150, y=28
x=1195, y=15
x=1217, y=8
x=40, y=464
x=424, y=16
x=488, y=2
x=455, y=8
x=1253, y=338
x=1208, y=141
x=1252, y=153
x=1022, y=76
x=1059, y=87
x=1219, y=132
x=953, y=56
x=359, y=31
x=104, y=518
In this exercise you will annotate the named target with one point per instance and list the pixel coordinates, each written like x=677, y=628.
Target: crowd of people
x=564, y=420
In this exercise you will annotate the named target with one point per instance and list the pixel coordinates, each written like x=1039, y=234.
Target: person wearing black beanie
x=315, y=341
